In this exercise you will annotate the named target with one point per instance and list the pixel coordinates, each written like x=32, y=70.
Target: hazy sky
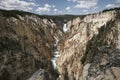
x=59, y=6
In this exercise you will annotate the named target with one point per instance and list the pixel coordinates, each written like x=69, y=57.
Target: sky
x=59, y=7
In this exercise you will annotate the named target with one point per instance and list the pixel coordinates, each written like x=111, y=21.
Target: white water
x=55, y=56
x=65, y=27
x=56, y=53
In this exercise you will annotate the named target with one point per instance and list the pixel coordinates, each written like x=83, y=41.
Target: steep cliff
x=90, y=50
x=26, y=45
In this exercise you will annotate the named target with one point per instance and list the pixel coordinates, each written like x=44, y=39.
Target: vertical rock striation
x=90, y=48
x=25, y=45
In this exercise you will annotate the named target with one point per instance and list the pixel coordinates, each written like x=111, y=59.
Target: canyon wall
x=26, y=45
x=90, y=49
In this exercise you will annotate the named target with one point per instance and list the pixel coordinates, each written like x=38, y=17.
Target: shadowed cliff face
x=90, y=49
x=26, y=46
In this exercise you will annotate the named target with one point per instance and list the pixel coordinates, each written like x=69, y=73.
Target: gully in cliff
x=56, y=53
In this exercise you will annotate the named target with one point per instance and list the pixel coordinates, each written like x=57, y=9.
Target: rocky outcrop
x=105, y=64
x=90, y=48
x=40, y=75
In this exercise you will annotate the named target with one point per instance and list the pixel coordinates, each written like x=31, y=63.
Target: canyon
x=63, y=47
